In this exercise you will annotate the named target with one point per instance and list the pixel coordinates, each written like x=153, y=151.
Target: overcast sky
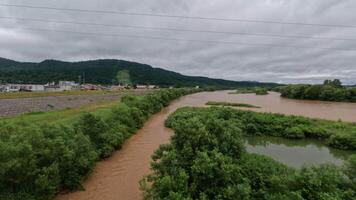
x=330, y=53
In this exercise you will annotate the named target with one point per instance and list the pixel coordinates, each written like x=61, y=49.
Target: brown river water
x=117, y=178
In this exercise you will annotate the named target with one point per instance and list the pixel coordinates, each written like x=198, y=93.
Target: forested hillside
x=104, y=72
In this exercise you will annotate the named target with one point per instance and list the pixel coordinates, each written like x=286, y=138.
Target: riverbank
x=59, y=156
x=119, y=175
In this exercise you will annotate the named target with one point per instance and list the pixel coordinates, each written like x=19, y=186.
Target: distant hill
x=105, y=72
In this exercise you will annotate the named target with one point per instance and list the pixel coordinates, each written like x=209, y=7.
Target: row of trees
x=331, y=90
x=37, y=161
x=207, y=160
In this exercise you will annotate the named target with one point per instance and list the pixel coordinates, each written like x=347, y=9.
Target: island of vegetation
x=207, y=159
x=248, y=90
x=37, y=160
x=331, y=90
x=245, y=105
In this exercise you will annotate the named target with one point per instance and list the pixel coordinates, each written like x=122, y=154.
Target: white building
x=141, y=87
x=22, y=87
x=52, y=88
x=61, y=86
x=152, y=87
x=67, y=85
x=146, y=87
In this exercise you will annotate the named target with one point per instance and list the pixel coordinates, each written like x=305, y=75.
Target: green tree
x=123, y=77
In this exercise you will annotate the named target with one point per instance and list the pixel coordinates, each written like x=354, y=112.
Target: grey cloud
x=230, y=61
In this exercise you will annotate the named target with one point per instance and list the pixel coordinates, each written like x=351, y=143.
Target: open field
x=17, y=106
x=64, y=116
x=16, y=95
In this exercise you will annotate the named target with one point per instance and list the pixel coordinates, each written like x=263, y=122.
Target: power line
x=177, y=16
x=183, y=40
x=177, y=29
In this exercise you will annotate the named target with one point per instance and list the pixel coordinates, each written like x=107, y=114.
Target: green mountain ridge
x=104, y=71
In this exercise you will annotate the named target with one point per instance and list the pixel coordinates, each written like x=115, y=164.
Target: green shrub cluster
x=207, y=160
x=37, y=161
x=261, y=91
x=340, y=135
x=256, y=90
x=336, y=134
x=329, y=91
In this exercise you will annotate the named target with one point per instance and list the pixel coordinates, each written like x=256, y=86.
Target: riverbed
x=118, y=176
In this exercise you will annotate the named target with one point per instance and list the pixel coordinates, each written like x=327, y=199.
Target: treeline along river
x=38, y=160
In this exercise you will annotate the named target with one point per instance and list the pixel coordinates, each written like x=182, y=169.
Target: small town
x=62, y=86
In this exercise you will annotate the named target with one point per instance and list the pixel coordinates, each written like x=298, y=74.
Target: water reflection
x=296, y=153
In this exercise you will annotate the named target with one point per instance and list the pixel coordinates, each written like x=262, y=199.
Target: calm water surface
x=118, y=176
x=296, y=153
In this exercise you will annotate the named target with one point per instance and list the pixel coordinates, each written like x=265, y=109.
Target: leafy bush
x=36, y=161
x=294, y=132
x=343, y=141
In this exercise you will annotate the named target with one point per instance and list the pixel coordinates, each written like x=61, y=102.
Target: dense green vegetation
x=105, y=72
x=214, y=103
x=256, y=90
x=39, y=159
x=331, y=90
x=261, y=91
x=340, y=135
x=207, y=160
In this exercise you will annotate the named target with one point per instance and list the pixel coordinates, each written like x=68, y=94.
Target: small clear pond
x=296, y=153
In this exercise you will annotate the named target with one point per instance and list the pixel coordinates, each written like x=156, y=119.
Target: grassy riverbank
x=207, y=159
x=40, y=156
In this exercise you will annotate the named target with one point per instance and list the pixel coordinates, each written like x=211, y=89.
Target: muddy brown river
x=117, y=178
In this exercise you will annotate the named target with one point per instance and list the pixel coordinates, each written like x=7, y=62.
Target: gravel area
x=13, y=107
